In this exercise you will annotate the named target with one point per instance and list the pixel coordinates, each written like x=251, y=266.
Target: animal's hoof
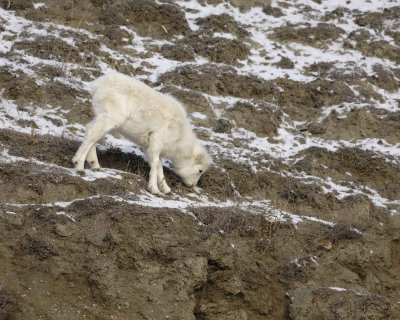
x=154, y=190
x=81, y=172
x=166, y=190
x=79, y=166
x=94, y=165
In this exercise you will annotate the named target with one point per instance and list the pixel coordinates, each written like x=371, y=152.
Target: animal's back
x=140, y=109
x=116, y=92
x=112, y=92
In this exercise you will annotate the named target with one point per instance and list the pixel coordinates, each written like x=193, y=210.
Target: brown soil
x=50, y=48
x=16, y=5
x=8, y=304
x=273, y=11
x=148, y=18
x=223, y=23
x=285, y=63
x=223, y=126
x=359, y=124
x=260, y=118
x=25, y=91
x=88, y=262
x=80, y=58
x=321, y=303
x=217, y=49
x=300, y=100
x=350, y=72
x=366, y=168
x=179, y=52
x=379, y=20
x=194, y=102
x=372, y=48
x=355, y=76
x=204, y=43
x=219, y=81
x=193, y=271
x=384, y=78
x=20, y=87
x=315, y=36
x=243, y=5
x=337, y=13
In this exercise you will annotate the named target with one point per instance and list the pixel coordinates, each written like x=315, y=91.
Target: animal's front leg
x=152, y=185
x=161, y=179
x=91, y=158
x=153, y=155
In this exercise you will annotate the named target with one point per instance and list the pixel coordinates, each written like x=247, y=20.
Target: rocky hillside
x=299, y=105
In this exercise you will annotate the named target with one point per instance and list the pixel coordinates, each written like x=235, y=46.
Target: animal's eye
x=200, y=171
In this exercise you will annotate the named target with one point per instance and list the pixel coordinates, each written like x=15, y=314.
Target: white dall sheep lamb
x=155, y=121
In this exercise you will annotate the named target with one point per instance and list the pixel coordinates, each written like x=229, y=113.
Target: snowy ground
x=285, y=145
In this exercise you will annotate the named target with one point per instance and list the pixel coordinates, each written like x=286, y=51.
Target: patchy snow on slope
x=284, y=146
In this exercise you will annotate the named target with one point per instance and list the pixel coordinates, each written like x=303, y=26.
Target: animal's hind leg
x=91, y=158
x=95, y=130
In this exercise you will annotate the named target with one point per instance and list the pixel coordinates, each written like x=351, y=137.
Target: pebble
x=63, y=230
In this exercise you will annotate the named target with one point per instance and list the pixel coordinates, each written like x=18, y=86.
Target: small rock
x=285, y=63
x=14, y=219
x=322, y=243
x=63, y=230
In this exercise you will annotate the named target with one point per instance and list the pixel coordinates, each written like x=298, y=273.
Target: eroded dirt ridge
x=297, y=101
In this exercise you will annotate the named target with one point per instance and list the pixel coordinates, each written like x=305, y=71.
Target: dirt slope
x=298, y=103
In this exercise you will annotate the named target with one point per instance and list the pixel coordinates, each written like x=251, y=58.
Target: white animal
x=155, y=121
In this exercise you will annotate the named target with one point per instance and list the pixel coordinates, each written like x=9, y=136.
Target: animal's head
x=192, y=169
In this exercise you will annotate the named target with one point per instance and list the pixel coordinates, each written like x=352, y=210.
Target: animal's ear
x=201, y=156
